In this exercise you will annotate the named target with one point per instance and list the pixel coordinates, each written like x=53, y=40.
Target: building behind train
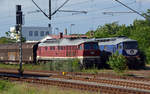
x=31, y=33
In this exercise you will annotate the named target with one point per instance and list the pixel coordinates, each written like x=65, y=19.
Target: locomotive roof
x=113, y=41
x=64, y=41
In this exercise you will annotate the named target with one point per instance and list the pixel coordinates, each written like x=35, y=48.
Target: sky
x=75, y=23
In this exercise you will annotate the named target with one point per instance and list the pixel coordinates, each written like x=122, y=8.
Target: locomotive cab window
x=86, y=46
x=130, y=45
x=95, y=46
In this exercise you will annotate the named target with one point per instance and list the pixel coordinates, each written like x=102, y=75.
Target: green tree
x=8, y=33
x=107, y=30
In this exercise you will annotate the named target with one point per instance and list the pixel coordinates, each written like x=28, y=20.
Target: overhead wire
x=132, y=9
x=98, y=9
x=78, y=3
x=75, y=20
x=91, y=11
x=111, y=7
x=71, y=21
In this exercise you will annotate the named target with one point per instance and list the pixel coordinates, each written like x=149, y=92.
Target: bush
x=117, y=63
x=71, y=65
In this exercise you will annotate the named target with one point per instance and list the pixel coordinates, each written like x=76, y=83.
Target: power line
x=83, y=2
x=83, y=19
x=59, y=7
x=40, y=9
x=87, y=18
x=92, y=11
x=89, y=11
x=50, y=14
x=69, y=16
x=130, y=8
x=112, y=13
x=115, y=6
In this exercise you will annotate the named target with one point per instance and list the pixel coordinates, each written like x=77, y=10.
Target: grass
x=56, y=67
x=25, y=66
x=46, y=67
x=96, y=71
x=66, y=66
x=24, y=88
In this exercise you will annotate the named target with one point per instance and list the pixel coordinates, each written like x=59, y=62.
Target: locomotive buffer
x=19, y=30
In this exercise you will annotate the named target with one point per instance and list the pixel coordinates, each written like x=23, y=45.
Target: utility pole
x=19, y=30
x=50, y=17
x=50, y=14
x=50, y=10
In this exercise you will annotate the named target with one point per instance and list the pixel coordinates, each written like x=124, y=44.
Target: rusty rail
x=111, y=82
x=127, y=82
x=102, y=89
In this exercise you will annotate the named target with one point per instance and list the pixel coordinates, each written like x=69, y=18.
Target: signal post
x=19, y=30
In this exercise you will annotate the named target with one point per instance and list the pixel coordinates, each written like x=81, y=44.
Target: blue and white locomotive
x=123, y=45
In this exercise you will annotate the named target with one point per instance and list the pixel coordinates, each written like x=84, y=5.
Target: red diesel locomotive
x=86, y=51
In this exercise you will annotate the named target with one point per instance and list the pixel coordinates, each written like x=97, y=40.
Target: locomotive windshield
x=88, y=46
x=130, y=45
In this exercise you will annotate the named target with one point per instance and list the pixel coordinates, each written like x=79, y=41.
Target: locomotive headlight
x=131, y=51
x=92, y=53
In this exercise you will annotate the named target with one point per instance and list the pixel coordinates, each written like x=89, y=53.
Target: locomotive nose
x=131, y=51
x=92, y=52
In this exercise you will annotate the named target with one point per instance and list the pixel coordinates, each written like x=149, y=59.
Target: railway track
x=99, y=83
x=99, y=75
x=140, y=85
x=82, y=86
